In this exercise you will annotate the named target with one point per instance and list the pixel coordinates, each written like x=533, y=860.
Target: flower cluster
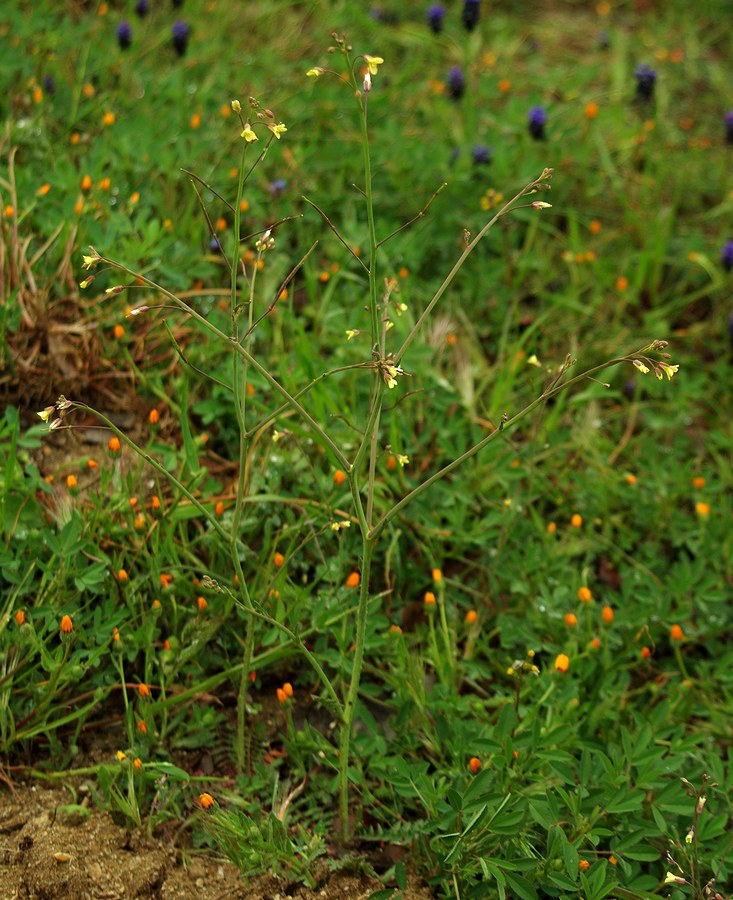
x=645, y=365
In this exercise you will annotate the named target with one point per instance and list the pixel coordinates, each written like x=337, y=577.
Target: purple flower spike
x=646, y=78
x=456, y=83
x=728, y=119
x=536, y=122
x=481, y=155
x=124, y=35
x=180, y=33
x=49, y=85
x=726, y=256
x=277, y=187
x=435, y=16
x=141, y=8
x=470, y=14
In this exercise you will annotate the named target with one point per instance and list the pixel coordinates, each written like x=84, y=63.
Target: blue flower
x=726, y=256
x=456, y=83
x=277, y=187
x=470, y=14
x=180, y=33
x=435, y=16
x=481, y=155
x=124, y=35
x=728, y=119
x=646, y=78
x=536, y=122
x=215, y=246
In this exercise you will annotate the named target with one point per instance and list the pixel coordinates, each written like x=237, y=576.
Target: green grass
x=573, y=768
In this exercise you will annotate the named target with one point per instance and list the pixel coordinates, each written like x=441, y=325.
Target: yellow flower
x=668, y=370
x=373, y=62
x=351, y=334
x=248, y=134
x=90, y=262
x=277, y=130
x=403, y=460
x=45, y=414
x=121, y=756
x=315, y=72
x=640, y=366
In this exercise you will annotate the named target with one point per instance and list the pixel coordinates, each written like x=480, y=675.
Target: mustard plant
x=386, y=371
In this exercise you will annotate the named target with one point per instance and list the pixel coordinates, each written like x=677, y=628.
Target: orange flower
x=137, y=763
x=155, y=502
x=339, y=477
x=108, y=119
x=142, y=727
x=166, y=644
x=437, y=576
x=395, y=629
x=118, y=332
x=221, y=224
x=562, y=662
x=324, y=277
x=622, y=283
x=702, y=509
x=244, y=205
x=92, y=464
x=206, y=801
x=596, y=644
x=391, y=463
x=153, y=416
x=122, y=576
x=612, y=860
x=116, y=634
x=551, y=528
x=645, y=652
x=676, y=633
x=195, y=120
x=585, y=595
x=281, y=695
x=86, y=183
x=504, y=85
x=44, y=189
x=607, y=614
x=471, y=616
x=630, y=479
x=584, y=865
x=75, y=138
x=403, y=272
x=353, y=579
x=113, y=445
x=37, y=95
x=288, y=689
x=201, y=603
x=429, y=598
x=474, y=764
x=219, y=508
x=88, y=90
x=71, y=482
x=9, y=212
x=20, y=617
x=139, y=522
x=67, y=626
x=571, y=620
x=278, y=559
x=576, y=520
x=698, y=482
x=591, y=110
x=143, y=690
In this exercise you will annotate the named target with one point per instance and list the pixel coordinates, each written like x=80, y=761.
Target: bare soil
x=49, y=854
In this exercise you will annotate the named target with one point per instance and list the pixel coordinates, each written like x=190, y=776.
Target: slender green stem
x=550, y=392
x=470, y=247
x=353, y=692
x=323, y=436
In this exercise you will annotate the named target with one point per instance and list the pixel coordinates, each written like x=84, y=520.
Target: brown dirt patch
x=49, y=854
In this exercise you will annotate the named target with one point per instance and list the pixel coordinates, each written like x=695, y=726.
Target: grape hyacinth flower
x=456, y=83
x=646, y=78
x=536, y=122
x=142, y=8
x=180, y=33
x=49, y=85
x=726, y=256
x=481, y=155
x=729, y=126
x=470, y=14
x=124, y=35
x=277, y=187
x=435, y=16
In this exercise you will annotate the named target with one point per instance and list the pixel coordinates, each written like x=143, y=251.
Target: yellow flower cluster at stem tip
x=373, y=63
x=429, y=598
x=277, y=130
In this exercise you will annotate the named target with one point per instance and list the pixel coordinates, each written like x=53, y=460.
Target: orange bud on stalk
x=474, y=764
